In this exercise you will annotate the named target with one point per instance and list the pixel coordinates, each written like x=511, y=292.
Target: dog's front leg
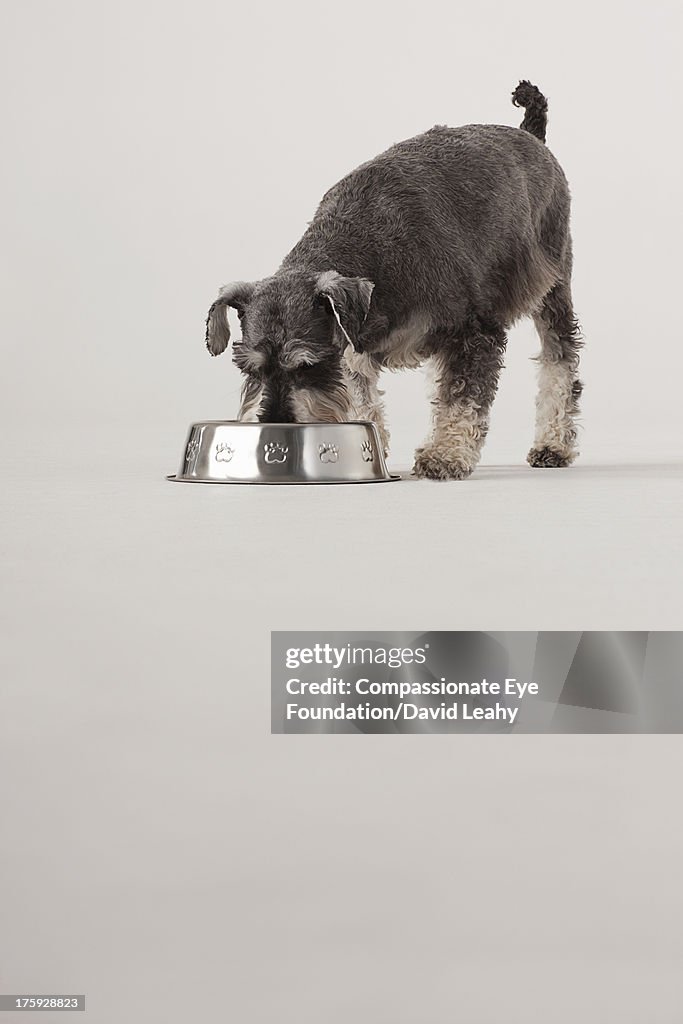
x=362, y=381
x=466, y=367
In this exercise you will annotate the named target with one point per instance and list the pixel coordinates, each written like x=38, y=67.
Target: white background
x=155, y=151
x=161, y=851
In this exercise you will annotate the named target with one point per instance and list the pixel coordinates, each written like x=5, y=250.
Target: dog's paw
x=431, y=464
x=549, y=458
x=328, y=452
x=275, y=452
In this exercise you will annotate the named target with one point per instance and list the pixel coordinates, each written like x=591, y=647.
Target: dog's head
x=295, y=329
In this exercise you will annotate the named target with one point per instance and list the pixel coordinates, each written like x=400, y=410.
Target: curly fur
x=466, y=368
x=559, y=388
x=536, y=109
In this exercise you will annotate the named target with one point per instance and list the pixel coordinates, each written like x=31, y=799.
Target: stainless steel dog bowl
x=231, y=452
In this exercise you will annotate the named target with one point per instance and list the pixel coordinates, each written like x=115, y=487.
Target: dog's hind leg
x=467, y=365
x=559, y=387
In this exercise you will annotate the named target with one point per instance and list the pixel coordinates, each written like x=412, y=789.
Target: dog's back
x=476, y=216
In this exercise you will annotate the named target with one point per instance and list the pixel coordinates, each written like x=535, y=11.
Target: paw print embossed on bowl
x=233, y=452
x=191, y=451
x=328, y=452
x=224, y=452
x=275, y=452
x=367, y=452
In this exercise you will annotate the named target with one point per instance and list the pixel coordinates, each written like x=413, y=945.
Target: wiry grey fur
x=428, y=252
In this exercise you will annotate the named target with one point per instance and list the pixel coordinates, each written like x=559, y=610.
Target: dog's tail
x=535, y=109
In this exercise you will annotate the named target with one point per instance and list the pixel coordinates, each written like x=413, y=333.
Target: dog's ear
x=348, y=299
x=236, y=295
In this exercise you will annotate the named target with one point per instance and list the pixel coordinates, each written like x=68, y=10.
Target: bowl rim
x=311, y=423
x=283, y=481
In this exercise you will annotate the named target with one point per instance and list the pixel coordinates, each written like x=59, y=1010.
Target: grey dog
x=429, y=252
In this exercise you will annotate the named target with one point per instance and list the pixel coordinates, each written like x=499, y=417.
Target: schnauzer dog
x=429, y=252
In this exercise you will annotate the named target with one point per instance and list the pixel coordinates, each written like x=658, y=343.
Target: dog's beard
x=252, y=393
x=312, y=406
x=309, y=405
